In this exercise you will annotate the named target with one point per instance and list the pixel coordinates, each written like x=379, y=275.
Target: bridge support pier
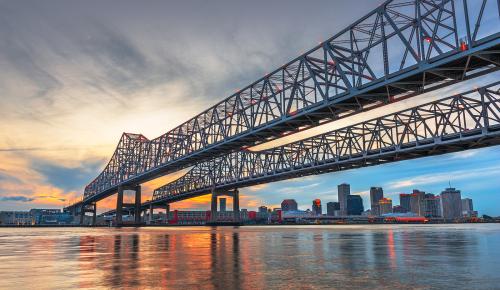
x=137, y=211
x=150, y=214
x=167, y=212
x=94, y=214
x=236, y=204
x=119, y=206
x=213, y=207
x=82, y=214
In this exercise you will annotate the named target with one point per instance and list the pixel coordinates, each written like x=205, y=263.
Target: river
x=459, y=256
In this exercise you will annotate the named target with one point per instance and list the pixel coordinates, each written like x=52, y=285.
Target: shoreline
x=233, y=225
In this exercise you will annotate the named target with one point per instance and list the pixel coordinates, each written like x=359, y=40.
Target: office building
x=333, y=208
x=404, y=202
x=316, y=207
x=354, y=205
x=385, y=206
x=15, y=218
x=222, y=202
x=432, y=206
x=344, y=190
x=468, y=208
x=288, y=205
x=262, y=209
x=416, y=202
x=376, y=194
x=451, y=203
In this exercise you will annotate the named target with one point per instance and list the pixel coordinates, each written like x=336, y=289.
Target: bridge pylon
x=236, y=204
x=136, y=204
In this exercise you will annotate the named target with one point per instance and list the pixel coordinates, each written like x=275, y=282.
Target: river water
x=272, y=257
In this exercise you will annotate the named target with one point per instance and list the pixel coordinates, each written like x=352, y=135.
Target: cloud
x=65, y=177
x=444, y=177
x=16, y=198
x=297, y=189
x=258, y=187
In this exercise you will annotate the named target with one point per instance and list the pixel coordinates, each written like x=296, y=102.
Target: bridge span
x=399, y=50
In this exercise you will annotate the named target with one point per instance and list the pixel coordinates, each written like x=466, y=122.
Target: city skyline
x=49, y=151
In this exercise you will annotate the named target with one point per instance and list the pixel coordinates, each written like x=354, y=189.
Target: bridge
x=398, y=51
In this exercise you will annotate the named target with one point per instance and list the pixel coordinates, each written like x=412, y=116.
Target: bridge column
x=137, y=212
x=82, y=214
x=150, y=215
x=119, y=206
x=236, y=205
x=167, y=212
x=213, y=207
x=94, y=215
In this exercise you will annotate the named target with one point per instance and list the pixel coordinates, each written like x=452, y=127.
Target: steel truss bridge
x=399, y=50
x=462, y=121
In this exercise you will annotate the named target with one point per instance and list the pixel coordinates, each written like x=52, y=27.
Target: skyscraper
x=376, y=194
x=467, y=207
x=344, y=190
x=404, y=202
x=222, y=202
x=354, y=205
x=432, y=205
x=451, y=201
x=288, y=205
x=385, y=206
x=316, y=207
x=333, y=208
x=417, y=202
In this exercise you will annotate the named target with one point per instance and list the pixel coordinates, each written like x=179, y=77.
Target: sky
x=75, y=75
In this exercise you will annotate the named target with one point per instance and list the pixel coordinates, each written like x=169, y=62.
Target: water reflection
x=251, y=257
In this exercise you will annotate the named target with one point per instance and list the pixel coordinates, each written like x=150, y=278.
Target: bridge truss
x=459, y=122
x=400, y=49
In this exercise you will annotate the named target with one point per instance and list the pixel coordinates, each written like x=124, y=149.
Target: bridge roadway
x=399, y=50
x=459, y=122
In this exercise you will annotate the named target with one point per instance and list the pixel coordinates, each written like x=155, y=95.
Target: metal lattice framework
x=400, y=49
x=455, y=123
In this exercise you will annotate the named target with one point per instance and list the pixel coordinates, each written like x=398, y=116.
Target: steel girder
x=400, y=49
x=459, y=122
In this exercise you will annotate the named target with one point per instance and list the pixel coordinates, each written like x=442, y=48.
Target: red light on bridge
x=428, y=39
x=463, y=46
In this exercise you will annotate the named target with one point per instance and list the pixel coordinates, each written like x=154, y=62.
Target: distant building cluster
x=449, y=205
x=35, y=217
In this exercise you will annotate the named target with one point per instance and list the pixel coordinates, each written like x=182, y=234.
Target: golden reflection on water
x=249, y=257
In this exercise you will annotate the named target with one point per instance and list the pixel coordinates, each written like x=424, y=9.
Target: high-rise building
x=288, y=205
x=431, y=205
x=404, y=202
x=333, y=208
x=316, y=207
x=451, y=202
x=376, y=194
x=385, y=206
x=417, y=202
x=344, y=190
x=222, y=202
x=354, y=205
x=467, y=207
x=263, y=209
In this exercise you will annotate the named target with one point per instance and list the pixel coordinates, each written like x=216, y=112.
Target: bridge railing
x=447, y=121
x=353, y=69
